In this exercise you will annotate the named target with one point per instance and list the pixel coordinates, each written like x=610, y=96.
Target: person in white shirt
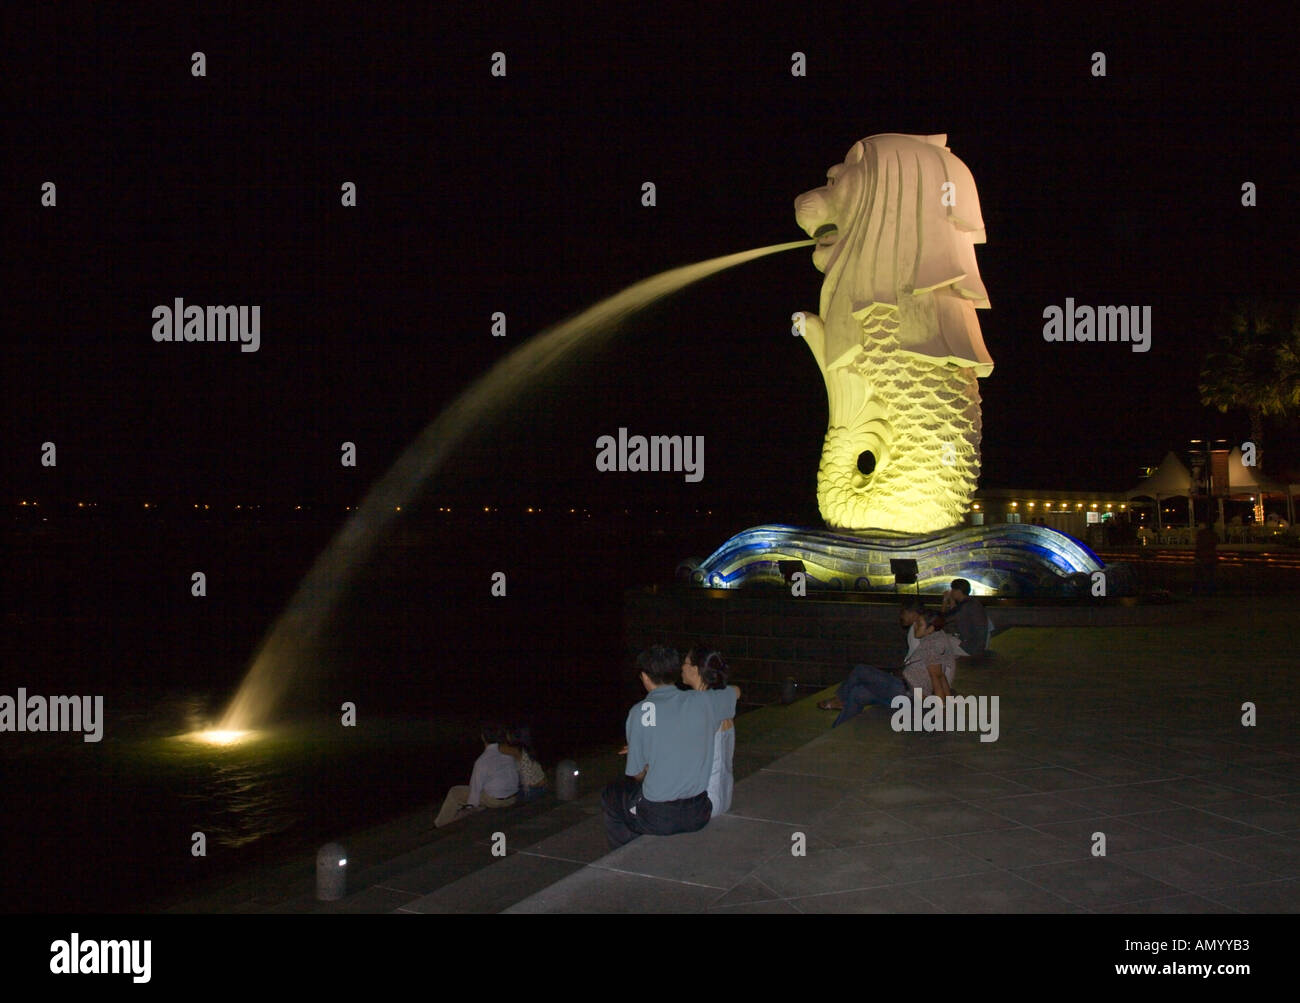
x=705, y=669
x=493, y=783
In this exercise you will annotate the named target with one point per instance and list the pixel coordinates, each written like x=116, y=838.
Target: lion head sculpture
x=897, y=337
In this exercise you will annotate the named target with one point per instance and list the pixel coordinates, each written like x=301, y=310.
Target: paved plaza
x=1134, y=733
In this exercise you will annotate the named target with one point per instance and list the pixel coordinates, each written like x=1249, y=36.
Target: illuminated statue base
x=1003, y=560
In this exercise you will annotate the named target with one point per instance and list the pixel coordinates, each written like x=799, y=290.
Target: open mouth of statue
x=826, y=235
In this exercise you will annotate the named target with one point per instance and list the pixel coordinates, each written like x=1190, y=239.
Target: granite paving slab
x=1128, y=731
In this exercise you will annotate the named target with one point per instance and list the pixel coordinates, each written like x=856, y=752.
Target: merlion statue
x=897, y=338
x=898, y=344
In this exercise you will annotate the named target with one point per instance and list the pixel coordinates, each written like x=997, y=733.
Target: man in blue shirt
x=669, y=754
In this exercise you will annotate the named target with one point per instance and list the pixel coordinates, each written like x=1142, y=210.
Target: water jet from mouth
x=319, y=592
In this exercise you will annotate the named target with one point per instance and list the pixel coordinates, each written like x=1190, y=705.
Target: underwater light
x=218, y=736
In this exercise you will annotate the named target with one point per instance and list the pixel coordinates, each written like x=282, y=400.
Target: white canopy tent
x=1244, y=480
x=1171, y=479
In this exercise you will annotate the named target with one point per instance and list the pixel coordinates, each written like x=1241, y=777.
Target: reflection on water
x=238, y=803
x=236, y=792
x=116, y=831
x=240, y=789
x=108, y=826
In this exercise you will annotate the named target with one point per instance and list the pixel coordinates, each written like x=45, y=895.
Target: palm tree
x=1289, y=364
x=1256, y=366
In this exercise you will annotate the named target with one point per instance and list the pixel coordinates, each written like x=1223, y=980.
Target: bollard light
x=566, y=780
x=789, y=691
x=331, y=872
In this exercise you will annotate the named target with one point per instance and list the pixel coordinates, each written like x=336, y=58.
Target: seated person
x=493, y=783
x=916, y=620
x=930, y=667
x=670, y=754
x=919, y=622
x=965, y=617
x=532, y=778
x=705, y=669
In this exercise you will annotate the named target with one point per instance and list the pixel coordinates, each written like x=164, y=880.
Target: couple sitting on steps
x=505, y=774
x=679, y=748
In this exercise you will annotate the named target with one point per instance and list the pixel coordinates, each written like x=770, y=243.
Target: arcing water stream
x=325, y=583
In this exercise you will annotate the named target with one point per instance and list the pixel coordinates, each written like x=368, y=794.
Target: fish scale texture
x=922, y=423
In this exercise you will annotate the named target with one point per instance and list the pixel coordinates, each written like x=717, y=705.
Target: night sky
x=478, y=194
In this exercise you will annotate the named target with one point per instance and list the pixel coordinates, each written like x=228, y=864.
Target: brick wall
x=767, y=636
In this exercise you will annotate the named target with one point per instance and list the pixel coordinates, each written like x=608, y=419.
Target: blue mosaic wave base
x=1007, y=559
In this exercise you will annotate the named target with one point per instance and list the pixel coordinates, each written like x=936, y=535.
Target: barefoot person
x=705, y=669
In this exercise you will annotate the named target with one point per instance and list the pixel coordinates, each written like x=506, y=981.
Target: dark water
x=102, y=605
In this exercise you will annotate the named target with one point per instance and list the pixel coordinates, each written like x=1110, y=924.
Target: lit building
x=1069, y=512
